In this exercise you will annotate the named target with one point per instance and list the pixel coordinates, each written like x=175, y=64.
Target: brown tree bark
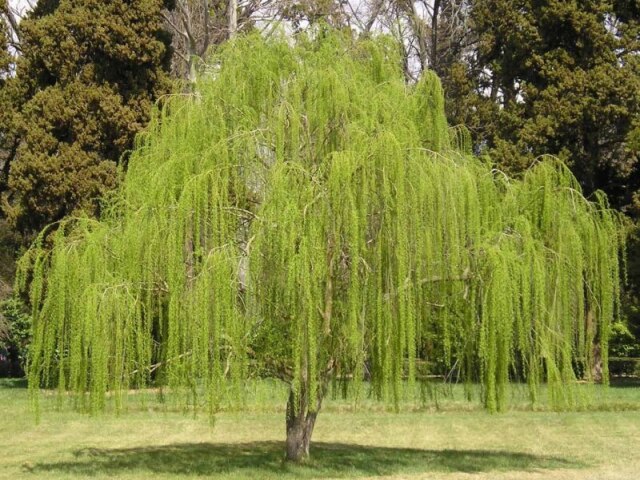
x=595, y=365
x=596, y=369
x=300, y=423
x=303, y=408
x=301, y=416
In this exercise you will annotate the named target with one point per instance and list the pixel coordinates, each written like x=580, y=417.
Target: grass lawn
x=457, y=440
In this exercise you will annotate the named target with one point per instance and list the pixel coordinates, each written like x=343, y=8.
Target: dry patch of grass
x=367, y=443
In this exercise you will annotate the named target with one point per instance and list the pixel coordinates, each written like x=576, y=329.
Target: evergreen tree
x=307, y=214
x=555, y=77
x=87, y=77
x=7, y=139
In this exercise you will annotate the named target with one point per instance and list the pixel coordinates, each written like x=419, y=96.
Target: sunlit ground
x=441, y=437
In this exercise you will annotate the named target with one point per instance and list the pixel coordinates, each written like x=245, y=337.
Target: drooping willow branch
x=362, y=210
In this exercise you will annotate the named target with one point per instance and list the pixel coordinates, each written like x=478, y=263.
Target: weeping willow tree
x=309, y=216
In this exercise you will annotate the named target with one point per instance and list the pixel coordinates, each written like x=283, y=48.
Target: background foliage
x=86, y=78
x=15, y=335
x=527, y=78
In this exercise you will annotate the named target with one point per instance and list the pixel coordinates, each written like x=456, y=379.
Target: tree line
x=78, y=82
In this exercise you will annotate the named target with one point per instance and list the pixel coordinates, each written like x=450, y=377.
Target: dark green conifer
x=86, y=80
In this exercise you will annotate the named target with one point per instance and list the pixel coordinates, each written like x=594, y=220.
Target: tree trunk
x=233, y=18
x=596, y=355
x=300, y=423
x=596, y=369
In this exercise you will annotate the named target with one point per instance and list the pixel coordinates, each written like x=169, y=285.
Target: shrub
x=15, y=335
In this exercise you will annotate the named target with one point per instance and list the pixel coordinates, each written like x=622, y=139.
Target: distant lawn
x=442, y=437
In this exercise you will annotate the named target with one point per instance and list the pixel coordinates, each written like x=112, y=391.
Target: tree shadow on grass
x=260, y=459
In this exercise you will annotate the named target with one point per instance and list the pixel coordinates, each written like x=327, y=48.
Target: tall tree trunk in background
x=596, y=369
x=435, y=64
x=233, y=18
x=596, y=352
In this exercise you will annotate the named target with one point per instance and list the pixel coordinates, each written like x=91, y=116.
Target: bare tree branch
x=374, y=14
x=207, y=28
x=174, y=27
x=12, y=18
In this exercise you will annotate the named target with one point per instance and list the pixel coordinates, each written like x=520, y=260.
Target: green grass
x=453, y=440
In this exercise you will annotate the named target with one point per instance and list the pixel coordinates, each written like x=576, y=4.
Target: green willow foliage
x=307, y=214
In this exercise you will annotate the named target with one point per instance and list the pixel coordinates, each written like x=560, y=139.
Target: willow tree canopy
x=306, y=214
